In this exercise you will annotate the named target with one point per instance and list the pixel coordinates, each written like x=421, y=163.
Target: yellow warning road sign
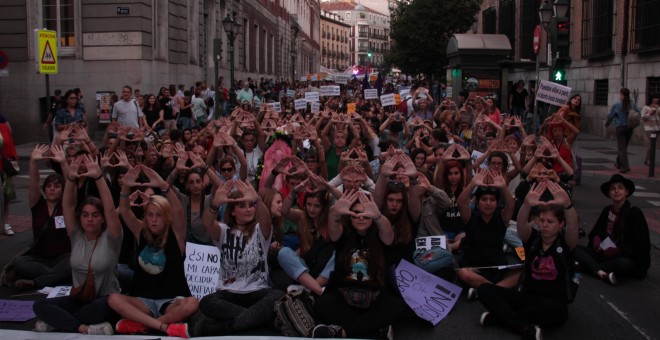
x=46, y=51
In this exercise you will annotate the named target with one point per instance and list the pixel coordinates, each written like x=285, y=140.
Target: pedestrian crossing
x=652, y=198
x=41, y=172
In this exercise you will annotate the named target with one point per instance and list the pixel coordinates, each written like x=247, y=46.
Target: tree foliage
x=420, y=30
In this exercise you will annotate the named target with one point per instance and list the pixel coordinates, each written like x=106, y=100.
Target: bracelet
x=165, y=191
x=70, y=180
x=123, y=195
x=213, y=209
x=100, y=176
x=569, y=207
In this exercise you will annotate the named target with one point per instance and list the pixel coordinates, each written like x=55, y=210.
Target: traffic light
x=558, y=74
x=369, y=54
x=560, y=38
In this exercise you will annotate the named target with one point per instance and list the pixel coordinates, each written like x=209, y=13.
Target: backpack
x=294, y=314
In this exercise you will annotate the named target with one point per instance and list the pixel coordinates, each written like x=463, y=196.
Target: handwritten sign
x=312, y=96
x=16, y=311
x=552, y=93
x=429, y=296
x=341, y=78
x=59, y=291
x=290, y=93
x=430, y=242
x=350, y=107
x=330, y=90
x=202, y=268
x=387, y=99
x=316, y=107
x=300, y=104
x=404, y=91
x=275, y=106
x=371, y=94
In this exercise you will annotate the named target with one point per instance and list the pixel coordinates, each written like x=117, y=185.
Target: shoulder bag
x=86, y=293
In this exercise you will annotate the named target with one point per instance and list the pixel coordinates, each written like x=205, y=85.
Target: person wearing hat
x=619, y=244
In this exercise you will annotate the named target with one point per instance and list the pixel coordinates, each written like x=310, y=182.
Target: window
x=58, y=16
x=645, y=26
x=348, y=15
x=652, y=85
x=597, y=28
x=529, y=18
x=489, y=21
x=507, y=24
x=601, y=88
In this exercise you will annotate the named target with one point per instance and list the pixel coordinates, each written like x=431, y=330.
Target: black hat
x=58, y=92
x=617, y=178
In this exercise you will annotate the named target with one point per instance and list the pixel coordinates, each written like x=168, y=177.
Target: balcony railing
x=363, y=34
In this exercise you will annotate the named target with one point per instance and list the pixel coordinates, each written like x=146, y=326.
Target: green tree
x=420, y=30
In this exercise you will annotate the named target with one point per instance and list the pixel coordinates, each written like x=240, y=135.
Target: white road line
x=656, y=203
x=646, y=194
x=639, y=330
x=637, y=187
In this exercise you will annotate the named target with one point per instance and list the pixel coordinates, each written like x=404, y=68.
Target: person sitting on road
x=619, y=244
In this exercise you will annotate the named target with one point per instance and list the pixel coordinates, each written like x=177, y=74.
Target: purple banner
x=429, y=296
x=16, y=311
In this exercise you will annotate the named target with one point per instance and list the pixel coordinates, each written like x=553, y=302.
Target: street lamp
x=232, y=28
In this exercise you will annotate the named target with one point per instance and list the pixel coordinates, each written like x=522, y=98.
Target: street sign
x=4, y=60
x=46, y=51
x=537, y=39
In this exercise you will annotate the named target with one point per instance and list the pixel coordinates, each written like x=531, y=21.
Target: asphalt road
x=626, y=311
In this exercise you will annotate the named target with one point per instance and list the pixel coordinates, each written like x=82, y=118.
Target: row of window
x=602, y=90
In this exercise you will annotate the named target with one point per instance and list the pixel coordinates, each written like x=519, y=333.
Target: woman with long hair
x=96, y=235
x=153, y=112
x=453, y=181
x=70, y=113
x=160, y=298
x=619, y=114
x=244, y=298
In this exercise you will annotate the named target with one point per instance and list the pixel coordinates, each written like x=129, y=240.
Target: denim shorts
x=157, y=306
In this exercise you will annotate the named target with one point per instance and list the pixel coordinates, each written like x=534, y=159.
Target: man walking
x=126, y=111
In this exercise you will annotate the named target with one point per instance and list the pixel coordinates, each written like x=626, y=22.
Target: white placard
x=312, y=96
x=330, y=90
x=275, y=106
x=552, y=93
x=341, y=79
x=300, y=104
x=371, y=94
x=303, y=78
x=430, y=242
x=316, y=107
x=202, y=268
x=290, y=93
x=59, y=291
x=387, y=99
x=449, y=92
x=404, y=91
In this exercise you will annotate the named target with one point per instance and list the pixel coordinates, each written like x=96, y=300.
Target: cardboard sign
x=371, y=94
x=312, y=96
x=316, y=107
x=59, y=291
x=16, y=311
x=404, y=91
x=350, y=107
x=300, y=104
x=290, y=93
x=330, y=90
x=429, y=296
x=202, y=268
x=430, y=242
x=277, y=107
x=341, y=78
x=552, y=93
x=387, y=99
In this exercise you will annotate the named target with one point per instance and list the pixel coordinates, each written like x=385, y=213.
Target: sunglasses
x=226, y=169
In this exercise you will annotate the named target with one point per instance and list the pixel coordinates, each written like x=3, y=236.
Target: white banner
x=312, y=96
x=387, y=99
x=275, y=106
x=202, y=268
x=371, y=94
x=316, y=107
x=341, y=78
x=290, y=93
x=404, y=91
x=552, y=93
x=330, y=90
x=300, y=104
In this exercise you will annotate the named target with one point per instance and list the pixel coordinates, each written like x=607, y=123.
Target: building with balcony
x=612, y=44
x=148, y=44
x=370, y=31
x=335, y=44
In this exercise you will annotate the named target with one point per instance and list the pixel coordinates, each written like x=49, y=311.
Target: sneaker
x=472, y=294
x=327, y=331
x=8, y=230
x=41, y=326
x=611, y=278
x=386, y=333
x=486, y=319
x=100, y=329
x=532, y=332
x=296, y=288
x=125, y=326
x=178, y=329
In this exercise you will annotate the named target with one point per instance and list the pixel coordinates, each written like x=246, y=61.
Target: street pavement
x=626, y=311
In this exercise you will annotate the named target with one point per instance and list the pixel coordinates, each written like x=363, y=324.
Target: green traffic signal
x=560, y=75
x=369, y=54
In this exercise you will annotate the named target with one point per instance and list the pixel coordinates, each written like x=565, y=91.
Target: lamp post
x=232, y=28
x=294, y=49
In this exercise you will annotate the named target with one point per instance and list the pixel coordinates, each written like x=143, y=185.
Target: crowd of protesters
x=326, y=201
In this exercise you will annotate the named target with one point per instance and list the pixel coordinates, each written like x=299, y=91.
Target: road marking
x=639, y=188
x=639, y=330
x=646, y=194
x=656, y=203
x=41, y=171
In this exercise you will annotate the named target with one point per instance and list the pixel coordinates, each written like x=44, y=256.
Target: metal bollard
x=654, y=138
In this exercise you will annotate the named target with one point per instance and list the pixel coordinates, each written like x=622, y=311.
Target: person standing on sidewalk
x=651, y=121
x=619, y=114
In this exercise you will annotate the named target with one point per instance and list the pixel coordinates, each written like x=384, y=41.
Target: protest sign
x=341, y=78
x=316, y=107
x=291, y=93
x=16, y=310
x=330, y=90
x=202, y=268
x=275, y=106
x=300, y=104
x=387, y=99
x=312, y=96
x=371, y=94
x=429, y=296
x=350, y=107
x=404, y=91
x=59, y=291
x=553, y=93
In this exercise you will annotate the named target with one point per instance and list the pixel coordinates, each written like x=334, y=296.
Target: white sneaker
x=8, y=230
x=296, y=288
x=41, y=327
x=104, y=328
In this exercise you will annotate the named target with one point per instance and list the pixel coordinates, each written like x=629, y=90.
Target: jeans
x=66, y=315
x=293, y=265
x=621, y=266
x=517, y=310
x=44, y=272
x=225, y=312
x=623, y=135
x=186, y=123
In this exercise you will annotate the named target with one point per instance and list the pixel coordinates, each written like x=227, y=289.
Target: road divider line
x=623, y=315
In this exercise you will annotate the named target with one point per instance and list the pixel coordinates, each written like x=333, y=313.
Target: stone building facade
x=613, y=44
x=335, y=43
x=148, y=44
